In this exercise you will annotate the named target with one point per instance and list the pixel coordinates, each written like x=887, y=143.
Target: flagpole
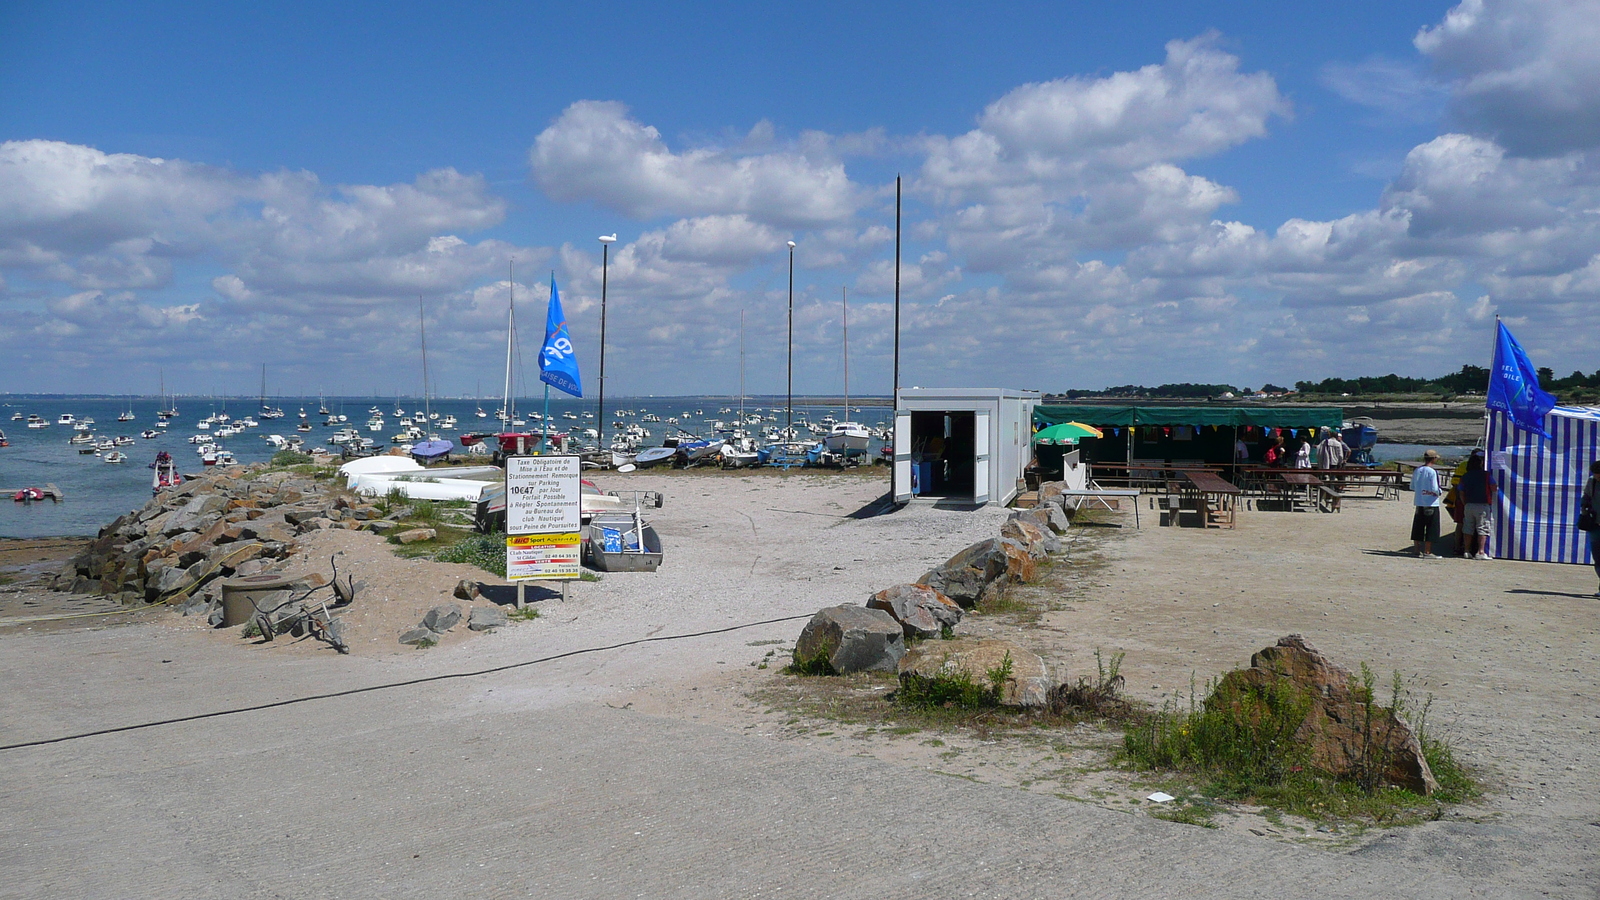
x=544, y=442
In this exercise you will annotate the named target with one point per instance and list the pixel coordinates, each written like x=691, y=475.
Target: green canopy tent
x=1203, y=432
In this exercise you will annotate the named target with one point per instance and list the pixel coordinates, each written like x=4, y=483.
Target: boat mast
x=511, y=328
x=741, y=372
x=422, y=322
x=844, y=302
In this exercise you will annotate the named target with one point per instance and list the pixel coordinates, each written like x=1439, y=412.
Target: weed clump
x=815, y=664
x=1099, y=698
x=291, y=458
x=957, y=690
x=486, y=551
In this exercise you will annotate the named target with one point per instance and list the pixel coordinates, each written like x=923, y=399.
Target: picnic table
x=1151, y=474
x=1216, y=496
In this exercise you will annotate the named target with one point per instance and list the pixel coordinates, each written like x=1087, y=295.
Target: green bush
x=486, y=551
x=1241, y=734
x=958, y=689
x=291, y=458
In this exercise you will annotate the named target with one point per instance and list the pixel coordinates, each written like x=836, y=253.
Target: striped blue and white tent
x=1541, y=482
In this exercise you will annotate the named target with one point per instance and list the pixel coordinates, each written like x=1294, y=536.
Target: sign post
x=543, y=506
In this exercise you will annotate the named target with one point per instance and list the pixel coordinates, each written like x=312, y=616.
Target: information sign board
x=542, y=556
x=543, y=507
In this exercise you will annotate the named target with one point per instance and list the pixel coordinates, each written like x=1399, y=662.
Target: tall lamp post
x=789, y=406
x=600, y=416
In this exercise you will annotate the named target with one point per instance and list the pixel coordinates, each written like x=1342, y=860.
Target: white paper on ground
x=1160, y=797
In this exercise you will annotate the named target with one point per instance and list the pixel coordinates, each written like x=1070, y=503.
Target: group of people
x=1331, y=453
x=1470, y=502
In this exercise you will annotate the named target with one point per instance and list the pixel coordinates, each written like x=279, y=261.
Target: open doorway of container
x=944, y=453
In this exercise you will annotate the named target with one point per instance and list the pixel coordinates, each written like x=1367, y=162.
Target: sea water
x=97, y=492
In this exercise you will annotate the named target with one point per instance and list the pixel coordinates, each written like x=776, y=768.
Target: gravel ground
x=648, y=771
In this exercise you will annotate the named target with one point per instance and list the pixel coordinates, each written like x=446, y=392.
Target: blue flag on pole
x=558, y=364
x=1514, y=385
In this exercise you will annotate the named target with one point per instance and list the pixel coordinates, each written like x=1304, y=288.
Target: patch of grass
x=486, y=551
x=956, y=689
x=284, y=458
x=815, y=664
x=586, y=575
x=999, y=599
x=1185, y=814
x=1238, y=734
x=525, y=614
x=445, y=536
x=1237, y=745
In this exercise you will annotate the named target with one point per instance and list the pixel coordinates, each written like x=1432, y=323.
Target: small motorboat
x=115, y=456
x=28, y=495
x=149, y=435
x=3, y=441
x=166, y=473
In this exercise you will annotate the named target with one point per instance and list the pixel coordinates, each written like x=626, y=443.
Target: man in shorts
x=1427, y=497
x=1477, y=493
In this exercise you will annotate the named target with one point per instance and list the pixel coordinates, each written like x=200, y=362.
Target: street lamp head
x=608, y=238
x=791, y=245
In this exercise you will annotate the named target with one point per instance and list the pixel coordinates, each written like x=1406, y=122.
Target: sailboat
x=429, y=447
x=741, y=450
x=166, y=411
x=847, y=437
x=127, y=415
x=267, y=412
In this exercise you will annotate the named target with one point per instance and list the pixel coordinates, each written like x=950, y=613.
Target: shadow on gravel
x=506, y=594
x=879, y=507
x=1551, y=593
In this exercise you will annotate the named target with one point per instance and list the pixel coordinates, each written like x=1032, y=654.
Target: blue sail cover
x=558, y=363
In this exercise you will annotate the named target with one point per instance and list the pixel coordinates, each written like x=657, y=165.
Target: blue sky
x=1095, y=195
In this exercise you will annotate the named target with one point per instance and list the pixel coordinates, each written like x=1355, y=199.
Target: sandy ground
x=1509, y=651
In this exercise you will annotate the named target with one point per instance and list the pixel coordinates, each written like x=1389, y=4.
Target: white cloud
x=1196, y=103
x=1524, y=72
x=1398, y=90
x=594, y=151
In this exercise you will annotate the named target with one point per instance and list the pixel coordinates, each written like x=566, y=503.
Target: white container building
x=961, y=445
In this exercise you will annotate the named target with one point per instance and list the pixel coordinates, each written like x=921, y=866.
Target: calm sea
x=97, y=492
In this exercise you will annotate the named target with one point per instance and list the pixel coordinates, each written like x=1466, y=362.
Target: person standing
x=1333, y=452
x=1302, y=455
x=1477, y=489
x=1589, y=515
x=1426, y=496
x=1276, y=456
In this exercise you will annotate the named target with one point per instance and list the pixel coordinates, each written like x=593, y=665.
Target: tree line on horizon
x=1469, y=380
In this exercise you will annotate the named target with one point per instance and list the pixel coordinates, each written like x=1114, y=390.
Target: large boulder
x=1345, y=731
x=852, y=639
x=442, y=618
x=484, y=618
x=1050, y=494
x=1049, y=517
x=966, y=576
x=1027, y=683
x=921, y=611
x=1039, y=542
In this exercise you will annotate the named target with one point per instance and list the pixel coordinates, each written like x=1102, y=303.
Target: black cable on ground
x=394, y=684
